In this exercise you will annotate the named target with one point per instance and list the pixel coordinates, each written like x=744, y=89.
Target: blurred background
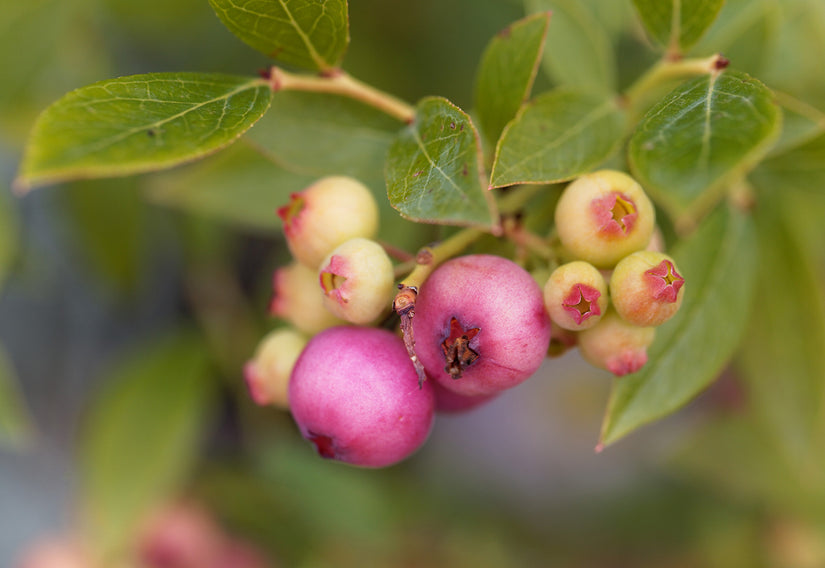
x=128, y=307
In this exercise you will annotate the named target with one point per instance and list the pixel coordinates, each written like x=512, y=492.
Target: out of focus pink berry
x=615, y=345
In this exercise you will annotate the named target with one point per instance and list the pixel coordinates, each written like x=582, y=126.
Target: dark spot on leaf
x=452, y=125
x=465, y=170
x=418, y=173
x=505, y=33
x=151, y=133
x=461, y=129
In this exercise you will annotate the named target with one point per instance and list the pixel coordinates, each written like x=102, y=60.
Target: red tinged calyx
x=291, y=210
x=665, y=282
x=323, y=444
x=615, y=213
x=582, y=302
x=456, y=348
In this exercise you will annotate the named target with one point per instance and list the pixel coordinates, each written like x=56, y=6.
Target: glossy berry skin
x=480, y=325
x=324, y=215
x=615, y=345
x=575, y=295
x=647, y=288
x=603, y=216
x=357, y=281
x=354, y=394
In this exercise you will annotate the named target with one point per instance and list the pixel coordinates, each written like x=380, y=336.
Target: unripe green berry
x=615, y=345
x=575, y=295
x=603, y=216
x=324, y=215
x=267, y=374
x=358, y=281
x=646, y=288
x=297, y=299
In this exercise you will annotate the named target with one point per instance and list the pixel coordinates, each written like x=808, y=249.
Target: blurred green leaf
x=556, y=137
x=16, y=426
x=800, y=124
x=578, y=53
x=320, y=134
x=141, y=437
x=802, y=168
x=719, y=265
x=140, y=123
x=9, y=225
x=705, y=134
x=782, y=357
x=677, y=24
x=238, y=186
x=432, y=168
x=306, y=33
x=109, y=219
x=506, y=73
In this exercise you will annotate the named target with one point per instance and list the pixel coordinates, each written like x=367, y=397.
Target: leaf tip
x=20, y=186
x=599, y=448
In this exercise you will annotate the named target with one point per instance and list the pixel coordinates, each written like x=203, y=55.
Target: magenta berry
x=267, y=374
x=357, y=281
x=646, y=288
x=324, y=215
x=615, y=345
x=298, y=300
x=575, y=295
x=450, y=402
x=480, y=325
x=604, y=216
x=354, y=394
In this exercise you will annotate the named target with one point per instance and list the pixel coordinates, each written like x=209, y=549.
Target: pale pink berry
x=179, y=535
x=480, y=325
x=267, y=374
x=646, y=288
x=55, y=552
x=603, y=216
x=354, y=394
x=450, y=402
x=575, y=295
x=615, y=345
x=324, y=215
x=297, y=299
x=357, y=281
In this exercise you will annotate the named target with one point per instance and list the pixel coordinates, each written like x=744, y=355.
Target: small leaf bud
x=358, y=281
x=575, y=295
x=646, y=288
x=297, y=299
x=615, y=345
x=603, y=216
x=324, y=215
x=267, y=374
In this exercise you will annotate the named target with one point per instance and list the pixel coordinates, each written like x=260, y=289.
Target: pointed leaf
x=801, y=168
x=139, y=124
x=141, y=437
x=320, y=134
x=306, y=33
x=16, y=427
x=690, y=350
x=677, y=24
x=783, y=358
x=506, y=72
x=556, y=137
x=578, y=53
x=432, y=169
x=703, y=135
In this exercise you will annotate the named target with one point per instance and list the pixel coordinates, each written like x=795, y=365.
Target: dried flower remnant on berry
x=456, y=347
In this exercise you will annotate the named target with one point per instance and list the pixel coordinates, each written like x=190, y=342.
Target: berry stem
x=341, y=83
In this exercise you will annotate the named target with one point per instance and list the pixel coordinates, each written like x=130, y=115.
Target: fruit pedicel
x=363, y=363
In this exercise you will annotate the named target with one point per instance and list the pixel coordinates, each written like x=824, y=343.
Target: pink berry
x=448, y=401
x=615, y=345
x=354, y=394
x=480, y=325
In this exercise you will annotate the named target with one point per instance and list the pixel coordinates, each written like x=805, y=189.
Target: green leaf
x=141, y=438
x=578, y=53
x=432, y=169
x=506, y=73
x=677, y=24
x=704, y=135
x=800, y=124
x=782, y=357
x=8, y=233
x=238, y=186
x=306, y=33
x=802, y=168
x=139, y=124
x=16, y=426
x=556, y=137
x=719, y=265
x=320, y=134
